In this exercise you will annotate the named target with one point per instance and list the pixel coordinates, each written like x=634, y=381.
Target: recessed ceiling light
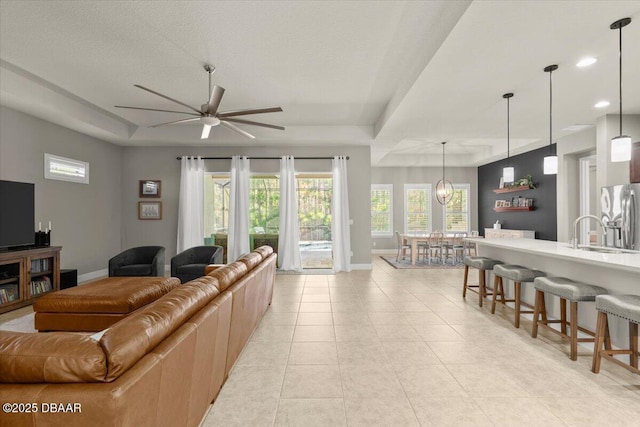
x=602, y=104
x=585, y=62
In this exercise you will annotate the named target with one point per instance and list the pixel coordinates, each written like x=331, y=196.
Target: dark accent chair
x=140, y=261
x=190, y=264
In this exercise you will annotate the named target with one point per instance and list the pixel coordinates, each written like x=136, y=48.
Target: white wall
x=160, y=163
x=399, y=176
x=86, y=218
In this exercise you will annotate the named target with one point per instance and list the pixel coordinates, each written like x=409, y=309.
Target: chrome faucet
x=574, y=241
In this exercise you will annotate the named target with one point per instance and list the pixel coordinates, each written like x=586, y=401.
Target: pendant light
x=621, y=144
x=550, y=161
x=508, y=173
x=444, y=188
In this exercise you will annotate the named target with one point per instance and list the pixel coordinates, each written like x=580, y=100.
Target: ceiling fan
x=208, y=114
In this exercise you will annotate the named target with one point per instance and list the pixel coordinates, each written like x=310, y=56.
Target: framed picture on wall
x=150, y=188
x=149, y=210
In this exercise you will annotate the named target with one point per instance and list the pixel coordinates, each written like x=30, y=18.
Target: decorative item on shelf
x=621, y=144
x=550, y=165
x=508, y=172
x=444, y=188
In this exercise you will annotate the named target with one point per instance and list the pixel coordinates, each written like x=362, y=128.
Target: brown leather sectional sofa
x=161, y=366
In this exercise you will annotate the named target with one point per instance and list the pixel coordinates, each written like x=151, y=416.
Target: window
x=264, y=204
x=417, y=208
x=381, y=210
x=314, y=206
x=456, y=212
x=216, y=203
x=63, y=169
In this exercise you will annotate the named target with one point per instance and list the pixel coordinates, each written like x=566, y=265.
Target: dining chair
x=470, y=245
x=456, y=247
x=436, y=245
x=401, y=247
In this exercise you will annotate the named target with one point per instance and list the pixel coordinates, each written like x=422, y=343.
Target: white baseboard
x=92, y=275
x=361, y=266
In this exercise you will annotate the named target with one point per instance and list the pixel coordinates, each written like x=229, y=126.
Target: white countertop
x=623, y=261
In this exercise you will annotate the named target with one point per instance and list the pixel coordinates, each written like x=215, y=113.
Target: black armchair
x=140, y=261
x=190, y=264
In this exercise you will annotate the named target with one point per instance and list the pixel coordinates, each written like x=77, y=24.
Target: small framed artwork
x=499, y=203
x=150, y=188
x=501, y=182
x=149, y=210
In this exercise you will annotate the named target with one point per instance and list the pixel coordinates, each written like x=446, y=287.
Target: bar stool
x=482, y=264
x=626, y=307
x=572, y=291
x=518, y=274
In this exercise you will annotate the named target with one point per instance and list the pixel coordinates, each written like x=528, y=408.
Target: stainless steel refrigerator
x=621, y=215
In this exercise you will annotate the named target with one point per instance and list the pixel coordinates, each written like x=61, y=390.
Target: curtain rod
x=265, y=158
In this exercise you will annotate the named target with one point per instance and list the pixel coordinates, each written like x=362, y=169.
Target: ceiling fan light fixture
x=621, y=144
x=210, y=121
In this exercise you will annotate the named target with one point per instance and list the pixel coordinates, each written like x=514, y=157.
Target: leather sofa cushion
x=119, y=295
x=229, y=274
x=133, y=270
x=129, y=340
x=251, y=260
x=265, y=251
x=50, y=358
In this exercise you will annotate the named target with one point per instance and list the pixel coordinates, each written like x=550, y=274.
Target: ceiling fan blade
x=177, y=121
x=155, y=109
x=236, y=129
x=214, y=99
x=248, y=122
x=166, y=97
x=206, y=129
x=245, y=112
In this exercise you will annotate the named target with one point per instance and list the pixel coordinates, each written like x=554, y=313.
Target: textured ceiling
x=399, y=76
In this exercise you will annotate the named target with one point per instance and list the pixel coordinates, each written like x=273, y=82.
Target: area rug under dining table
x=406, y=263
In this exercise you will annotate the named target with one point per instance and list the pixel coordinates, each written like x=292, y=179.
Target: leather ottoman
x=97, y=305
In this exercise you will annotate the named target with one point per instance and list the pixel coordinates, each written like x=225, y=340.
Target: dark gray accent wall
x=543, y=220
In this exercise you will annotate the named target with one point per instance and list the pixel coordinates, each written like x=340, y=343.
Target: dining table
x=414, y=239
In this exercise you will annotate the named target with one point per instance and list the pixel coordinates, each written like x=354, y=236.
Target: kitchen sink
x=606, y=250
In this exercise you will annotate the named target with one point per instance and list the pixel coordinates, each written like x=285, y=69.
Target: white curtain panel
x=191, y=204
x=340, y=232
x=289, y=230
x=238, y=238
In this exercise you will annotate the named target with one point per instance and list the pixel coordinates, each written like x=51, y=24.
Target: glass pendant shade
x=508, y=174
x=551, y=165
x=444, y=191
x=621, y=149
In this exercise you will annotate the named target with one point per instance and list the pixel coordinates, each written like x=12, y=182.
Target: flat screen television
x=16, y=214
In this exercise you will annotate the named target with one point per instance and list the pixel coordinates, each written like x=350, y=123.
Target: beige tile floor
x=400, y=348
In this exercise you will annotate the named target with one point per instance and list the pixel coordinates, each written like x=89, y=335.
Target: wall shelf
x=514, y=209
x=512, y=189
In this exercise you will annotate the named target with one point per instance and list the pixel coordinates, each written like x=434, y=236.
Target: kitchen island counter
x=619, y=273
x=558, y=250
